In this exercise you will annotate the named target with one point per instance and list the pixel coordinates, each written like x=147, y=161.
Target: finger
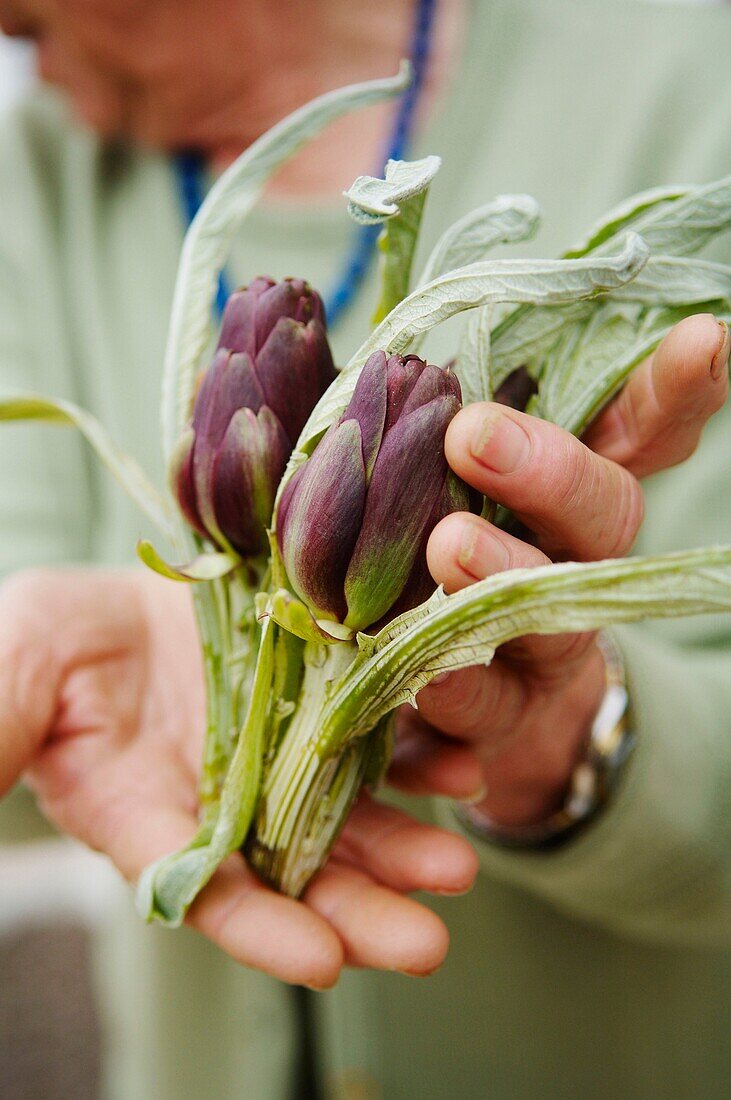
x=148, y=814
x=463, y=549
x=659, y=415
x=265, y=930
x=579, y=504
x=378, y=928
x=406, y=854
x=425, y=763
x=479, y=705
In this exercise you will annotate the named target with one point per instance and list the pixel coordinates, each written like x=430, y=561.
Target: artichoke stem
x=306, y=798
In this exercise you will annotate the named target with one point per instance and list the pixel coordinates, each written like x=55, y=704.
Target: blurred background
x=53, y=894
x=16, y=71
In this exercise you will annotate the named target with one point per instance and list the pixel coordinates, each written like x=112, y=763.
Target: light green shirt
x=593, y=971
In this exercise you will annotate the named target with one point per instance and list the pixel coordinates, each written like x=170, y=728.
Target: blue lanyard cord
x=190, y=175
x=362, y=250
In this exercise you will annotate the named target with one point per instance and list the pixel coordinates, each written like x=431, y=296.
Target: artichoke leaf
x=480, y=284
x=677, y=280
x=505, y=220
x=593, y=360
x=473, y=367
x=372, y=200
x=466, y=628
x=204, y=567
x=397, y=201
x=686, y=225
x=625, y=216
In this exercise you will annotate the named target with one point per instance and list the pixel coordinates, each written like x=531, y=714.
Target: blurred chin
x=103, y=118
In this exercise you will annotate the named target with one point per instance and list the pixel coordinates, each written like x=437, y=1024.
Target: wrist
x=529, y=779
x=593, y=778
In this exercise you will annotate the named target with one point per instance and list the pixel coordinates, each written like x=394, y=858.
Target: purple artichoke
x=354, y=520
x=270, y=368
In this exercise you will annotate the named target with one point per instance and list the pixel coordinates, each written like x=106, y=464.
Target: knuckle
x=626, y=405
x=576, y=475
x=24, y=597
x=563, y=653
x=461, y=707
x=627, y=511
x=489, y=712
x=470, y=711
x=27, y=586
x=462, y=698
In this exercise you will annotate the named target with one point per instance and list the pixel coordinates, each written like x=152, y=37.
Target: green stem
x=305, y=798
x=456, y=631
x=169, y=885
x=212, y=632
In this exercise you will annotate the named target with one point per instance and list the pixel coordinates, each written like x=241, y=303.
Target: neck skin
x=343, y=45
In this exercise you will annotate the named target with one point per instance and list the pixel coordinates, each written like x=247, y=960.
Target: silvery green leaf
x=508, y=218
x=576, y=369
x=682, y=227
x=466, y=627
x=473, y=366
x=526, y=335
x=624, y=216
x=674, y=221
x=129, y=474
x=491, y=282
x=168, y=886
x=505, y=220
x=674, y=280
x=376, y=200
x=534, y=281
x=211, y=234
x=532, y=337
x=587, y=367
x=398, y=201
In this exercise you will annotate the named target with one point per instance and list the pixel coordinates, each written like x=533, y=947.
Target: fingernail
x=480, y=552
x=439, y=678
x=418, y=973
x=719, y=363
x=478, y=796
x=500, y=443
x=457, y=892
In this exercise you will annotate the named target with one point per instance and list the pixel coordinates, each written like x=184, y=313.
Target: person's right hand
x=102, y=710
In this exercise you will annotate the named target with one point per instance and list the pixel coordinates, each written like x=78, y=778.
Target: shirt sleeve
x=656, y=861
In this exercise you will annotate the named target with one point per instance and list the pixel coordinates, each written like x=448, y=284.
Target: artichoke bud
x=270, y=368
x=354, y=520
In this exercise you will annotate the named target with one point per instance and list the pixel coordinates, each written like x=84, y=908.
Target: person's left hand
x=102, y=708
x=515, y=730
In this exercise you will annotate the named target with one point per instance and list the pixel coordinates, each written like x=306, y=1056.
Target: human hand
x=509, y=736
x=102, y=709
